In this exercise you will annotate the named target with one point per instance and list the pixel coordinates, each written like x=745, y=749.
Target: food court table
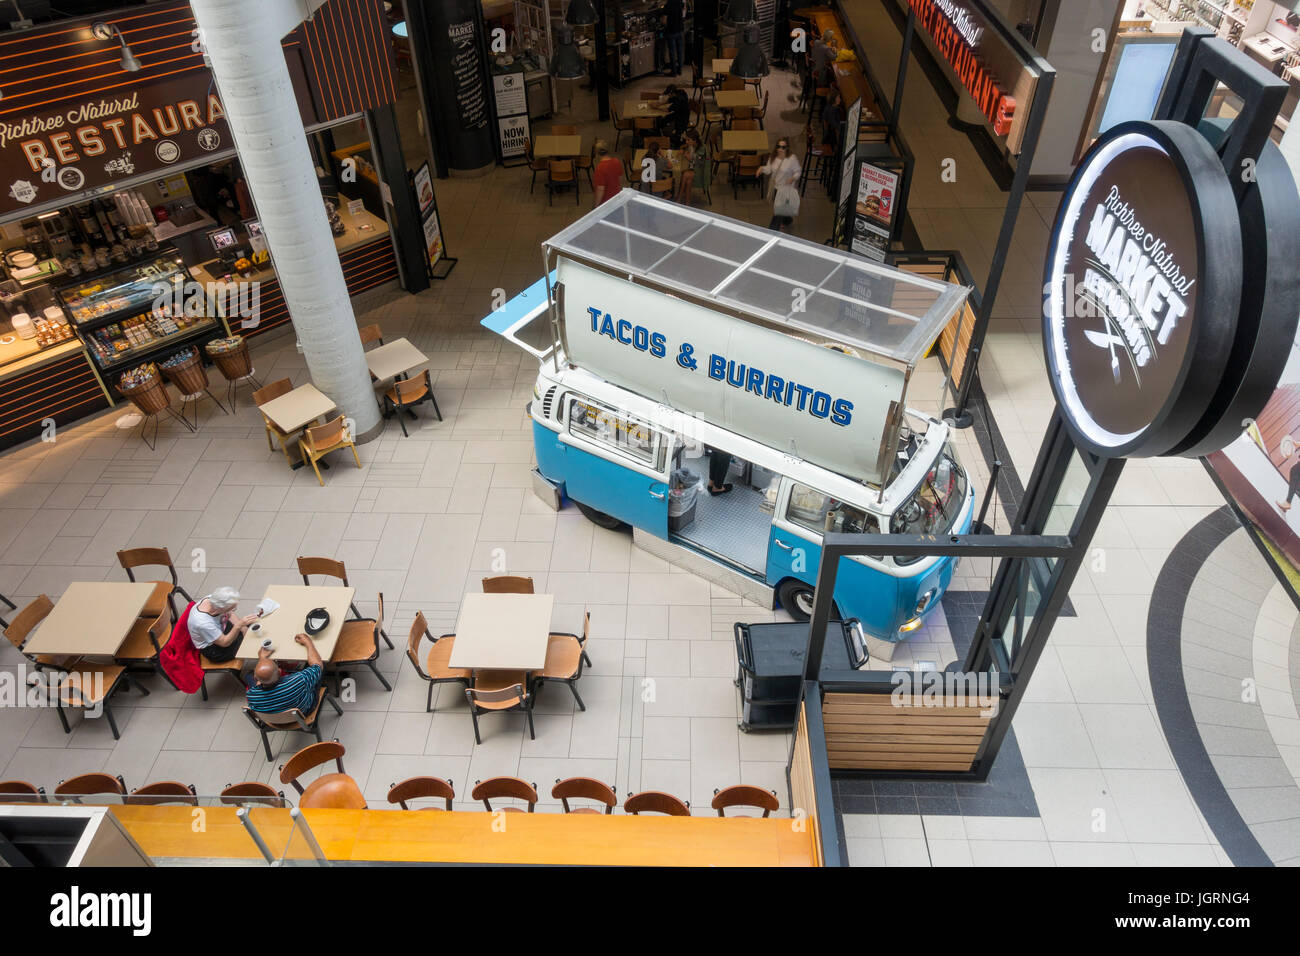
x=733, y=99
x=746, y=140
x=503, y=632
x=557, y=147
x=721, y=67
x=394, y=358
x=642, y=109
x=302, y=406
x=288, y=620
x=92, y=618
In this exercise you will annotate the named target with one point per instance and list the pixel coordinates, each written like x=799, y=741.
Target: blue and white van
x=666, y=345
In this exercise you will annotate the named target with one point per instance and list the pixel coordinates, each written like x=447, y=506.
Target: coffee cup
x=268, y=644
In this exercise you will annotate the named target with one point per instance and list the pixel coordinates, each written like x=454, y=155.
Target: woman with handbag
x=783, y=171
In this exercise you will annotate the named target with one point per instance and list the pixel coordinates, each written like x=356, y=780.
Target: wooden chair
x=586, y=163
x=91, y=785
x=333, y=792
x=436, y=668
x=358, y=643
x=621, y=125
x=655, y=801
x=584, y=788
x=581, y=638
x=11, y=605
x=163, y=593
x=24, y=623
x=663, y=141
x=20, y=791
x=319, y=440
x=563, y=665
x=162, y=793
x=421, y=788
x=292, y=719
x=742, y=795
x=743, y=114
x=265, y=394
x=496, y=692
x=309, y=758
x=732, y=83
x=371, y=333
x=331, y=568
x=700, y=83
x=560, y=175
x=145, y=640
x=745, y=172
x=643, y=126
x=564, y=130
x=252, y=794
x=664, y=187
x=497, y=788
x=761, y=112
x=729, y=53
x=87, y=684
x=818, y=158
x=720, y=157
x=649, y=96
x=745, y=123
x=508, y=584
x=407, y=393
x=535, y=165
x=713, y=117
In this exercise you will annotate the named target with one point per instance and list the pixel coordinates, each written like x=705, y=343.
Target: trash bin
x=683, y=489
x=770, y=661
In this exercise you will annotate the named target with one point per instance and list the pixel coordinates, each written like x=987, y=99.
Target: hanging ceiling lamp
x=567, y=64
x=581, y=13
x=749, y=62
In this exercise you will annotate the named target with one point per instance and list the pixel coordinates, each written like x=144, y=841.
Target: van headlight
x=925, y=601
x=537, y=392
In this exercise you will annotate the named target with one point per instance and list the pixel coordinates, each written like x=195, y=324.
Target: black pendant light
x=581, y=13
x=749, y=62
x=741, y=11
x=567, y=64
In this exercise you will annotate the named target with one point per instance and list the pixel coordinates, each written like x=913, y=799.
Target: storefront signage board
x=874, y=211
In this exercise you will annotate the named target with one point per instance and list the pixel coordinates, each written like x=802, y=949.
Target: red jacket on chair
x=180, y=658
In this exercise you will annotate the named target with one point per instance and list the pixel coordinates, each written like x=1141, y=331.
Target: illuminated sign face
x=958, y=33
x=1123, y=315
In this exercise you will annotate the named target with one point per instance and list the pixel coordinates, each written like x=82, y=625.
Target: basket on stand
x=233, y=362
x=148, y=393
x=185, y=370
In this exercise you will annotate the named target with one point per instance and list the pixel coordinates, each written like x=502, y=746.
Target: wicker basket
x=190, y=377
x=151, y=397
x=234, y=364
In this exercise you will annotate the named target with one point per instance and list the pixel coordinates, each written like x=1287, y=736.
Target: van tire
x=599, y=517
x=792, y=593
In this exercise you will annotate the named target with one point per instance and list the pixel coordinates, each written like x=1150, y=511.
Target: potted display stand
x=191, y=380
x=151, y=398
x=234, y=364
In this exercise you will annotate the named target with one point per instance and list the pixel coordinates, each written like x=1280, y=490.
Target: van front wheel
x=599, y=517
x=797, y=598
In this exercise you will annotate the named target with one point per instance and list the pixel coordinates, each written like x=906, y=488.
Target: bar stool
x=819, y=157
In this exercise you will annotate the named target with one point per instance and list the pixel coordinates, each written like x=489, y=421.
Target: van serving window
x=821, y=513
x=601, y=425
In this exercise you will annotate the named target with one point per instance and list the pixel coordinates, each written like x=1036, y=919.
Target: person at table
x=215, y=629
x=607, y=177
x=663, y=167
x=833, y=118
x=823, y=52
x=698, y=168
x=270, y=692
x=678, y=105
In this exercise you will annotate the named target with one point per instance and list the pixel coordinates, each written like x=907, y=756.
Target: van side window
x=821, y=513
x=599, y=424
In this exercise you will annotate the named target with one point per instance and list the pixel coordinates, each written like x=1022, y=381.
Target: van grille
x=546, y=401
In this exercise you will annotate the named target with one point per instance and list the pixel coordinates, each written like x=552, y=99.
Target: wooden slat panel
x=912, y=747
x=847, y=763
x=802, y=789
x=879, y=732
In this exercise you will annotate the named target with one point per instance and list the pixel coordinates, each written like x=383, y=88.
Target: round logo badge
x=209, y=138
x=167, y=151
x=71, y=178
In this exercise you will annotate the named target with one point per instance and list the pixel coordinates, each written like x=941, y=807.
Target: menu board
x=424, y=189
x=467, y=75
x=873, y=222
x=423, y=181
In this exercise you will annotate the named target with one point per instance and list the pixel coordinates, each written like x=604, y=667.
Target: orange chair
x=508, y=584
x=494, y=788
x=742, y=795
x=655, y=801
x=163, y=593
x=164, y=792
x=419, y=788
x=437, y=669
x=584, y=788
x=319, y=440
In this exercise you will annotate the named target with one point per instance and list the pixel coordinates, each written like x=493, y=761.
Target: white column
x=253, y=78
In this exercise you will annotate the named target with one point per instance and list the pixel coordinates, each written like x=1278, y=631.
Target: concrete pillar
x=242, y=41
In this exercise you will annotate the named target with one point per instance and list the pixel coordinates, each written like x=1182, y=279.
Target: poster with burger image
x=873, y=222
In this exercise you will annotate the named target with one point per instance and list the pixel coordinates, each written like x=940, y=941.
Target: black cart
x=770, y=673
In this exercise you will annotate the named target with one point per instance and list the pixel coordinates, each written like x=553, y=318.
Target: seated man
x=214, y=629
x=271, y=693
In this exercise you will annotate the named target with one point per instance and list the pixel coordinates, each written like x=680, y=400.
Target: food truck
x=674, y=343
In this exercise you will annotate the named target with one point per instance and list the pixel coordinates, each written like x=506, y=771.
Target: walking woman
x=783, y=171
x=697, y=168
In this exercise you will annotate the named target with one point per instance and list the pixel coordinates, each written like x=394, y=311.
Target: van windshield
x=935, y=505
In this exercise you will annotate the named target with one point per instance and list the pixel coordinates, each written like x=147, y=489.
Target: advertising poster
x=511, y=100
x=424, y=189
x=873, y=220
x=433, y=239
x=467, y=75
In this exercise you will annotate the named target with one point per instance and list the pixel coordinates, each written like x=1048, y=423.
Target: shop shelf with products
x=93, y=301
x=107, y=354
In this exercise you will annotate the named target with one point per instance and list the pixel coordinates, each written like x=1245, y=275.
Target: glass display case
x=122, y=292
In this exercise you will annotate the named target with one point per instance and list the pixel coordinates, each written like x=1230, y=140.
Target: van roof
x=798, y=287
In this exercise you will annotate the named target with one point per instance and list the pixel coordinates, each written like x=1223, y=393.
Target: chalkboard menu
x=467, y=74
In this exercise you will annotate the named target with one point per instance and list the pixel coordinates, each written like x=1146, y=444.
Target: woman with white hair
x=214, y=628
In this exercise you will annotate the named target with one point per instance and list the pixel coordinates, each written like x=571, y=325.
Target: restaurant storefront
x=127, y=232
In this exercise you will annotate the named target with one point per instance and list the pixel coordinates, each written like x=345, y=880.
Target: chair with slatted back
x=742, y=795
x=560, y=174
x=498, y=788
x=436, y=669
x=407, y=393
x=269, y=392
x=319, y=440
x=421, y=788
x=252, y=794
x=163, y=592
x=163, y=793
x=508, y=584
x=584, y=788
x=663, y=141
x=292, y=719
x=656, y=801
x=497, y=692
x=358, y=643
x=20, y=791
x=563, y=665
x=91, y=785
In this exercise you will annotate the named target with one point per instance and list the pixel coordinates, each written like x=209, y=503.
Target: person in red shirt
x=608, y=175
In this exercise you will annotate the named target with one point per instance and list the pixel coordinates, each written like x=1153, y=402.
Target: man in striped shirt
x=269, y=693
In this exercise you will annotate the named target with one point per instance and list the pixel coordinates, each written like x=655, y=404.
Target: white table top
x=293, y=410
x=288, y=619
x=91, y=618
x=503, y=632
x=394, y=358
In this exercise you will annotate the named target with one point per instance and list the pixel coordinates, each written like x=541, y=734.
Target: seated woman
x=214, y=628
x=662, y=164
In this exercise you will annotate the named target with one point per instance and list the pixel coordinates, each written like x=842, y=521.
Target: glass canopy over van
x=816, y=292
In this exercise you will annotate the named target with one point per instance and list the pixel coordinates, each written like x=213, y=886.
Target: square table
x=287, y=621
x=302, y=406
x=732, y=99
x=643, y=109
x=503, y=632
x=394, y=358
x=721, y=67
x=91, y=618
x=746, y=140
x=557, y=147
